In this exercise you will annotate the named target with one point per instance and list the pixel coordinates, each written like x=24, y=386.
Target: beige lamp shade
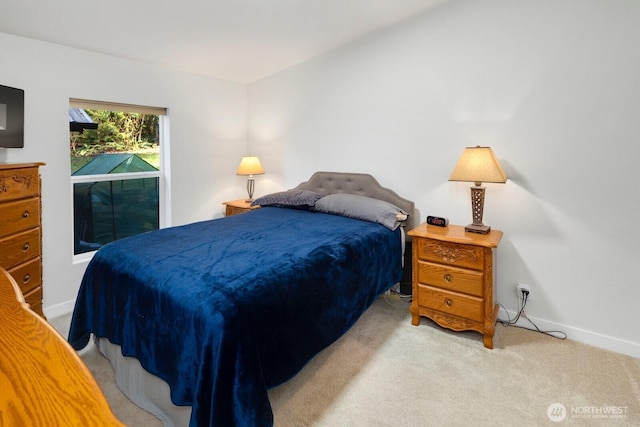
x=250, y=165
x=478, y=164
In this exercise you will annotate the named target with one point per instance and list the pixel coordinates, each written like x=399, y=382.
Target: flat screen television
x=11, y=117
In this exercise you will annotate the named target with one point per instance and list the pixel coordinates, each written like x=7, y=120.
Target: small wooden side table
x=453, y=278
x=235, y=207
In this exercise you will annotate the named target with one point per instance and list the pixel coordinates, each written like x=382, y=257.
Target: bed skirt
x=142, y=388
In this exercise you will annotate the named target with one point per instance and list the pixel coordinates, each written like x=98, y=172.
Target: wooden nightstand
x=235, y=207
x=453, y=278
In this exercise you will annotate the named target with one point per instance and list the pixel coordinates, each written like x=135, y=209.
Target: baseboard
x=59, y=309
x=581, y=335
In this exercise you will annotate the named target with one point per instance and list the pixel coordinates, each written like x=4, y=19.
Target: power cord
x=522, y=303
x=395, y=295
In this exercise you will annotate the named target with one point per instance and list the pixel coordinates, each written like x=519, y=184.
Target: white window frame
x=164, y=199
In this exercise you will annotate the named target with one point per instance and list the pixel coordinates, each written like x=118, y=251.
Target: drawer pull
x=26, y=247
x=26, y=278
x=448, y=302
x=26, y=215
x=448, y=278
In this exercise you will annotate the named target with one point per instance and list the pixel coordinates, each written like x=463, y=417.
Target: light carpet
x=386, y=372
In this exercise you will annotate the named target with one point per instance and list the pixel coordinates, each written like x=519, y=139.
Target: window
x=116, y=173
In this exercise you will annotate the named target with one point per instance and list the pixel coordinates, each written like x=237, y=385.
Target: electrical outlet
x=520, y=288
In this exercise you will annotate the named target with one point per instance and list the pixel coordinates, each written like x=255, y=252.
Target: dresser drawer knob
x=26, y=278
x=26, y=247
x=448, y=278
x=448, y=302
x=26, y=215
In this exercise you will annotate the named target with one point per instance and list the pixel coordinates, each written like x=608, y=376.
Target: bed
x=223, y=310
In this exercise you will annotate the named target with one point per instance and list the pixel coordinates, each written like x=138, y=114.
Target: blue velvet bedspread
x=224, y=309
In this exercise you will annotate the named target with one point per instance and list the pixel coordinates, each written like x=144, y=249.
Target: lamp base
x=250, y=186
x=480, y=229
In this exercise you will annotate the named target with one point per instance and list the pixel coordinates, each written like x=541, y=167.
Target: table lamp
x=478, y=165
x=249, y=166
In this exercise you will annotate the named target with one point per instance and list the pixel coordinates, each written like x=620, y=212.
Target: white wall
x=552, y=86
x=207, y=139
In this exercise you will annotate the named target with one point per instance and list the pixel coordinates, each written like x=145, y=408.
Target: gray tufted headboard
x=357, y=183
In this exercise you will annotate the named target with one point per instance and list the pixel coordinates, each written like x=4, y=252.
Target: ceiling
x=235, y=40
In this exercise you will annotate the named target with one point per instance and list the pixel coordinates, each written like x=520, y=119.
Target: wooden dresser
x=21, y=228
x=453, y=278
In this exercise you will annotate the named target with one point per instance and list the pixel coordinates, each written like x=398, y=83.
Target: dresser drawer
x=19, y=183
x=451, y=253
x=34, y=299
x=453, y=303
x=452, y=278
x=28, y=275
x=19, y=248
x=19, y=216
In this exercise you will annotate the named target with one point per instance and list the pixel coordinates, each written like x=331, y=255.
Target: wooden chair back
x=43, y=381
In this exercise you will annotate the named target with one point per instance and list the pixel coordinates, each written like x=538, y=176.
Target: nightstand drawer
x=451, y=303
x=233, y=210
x=235, y=207
x=451, y=278
x=451, y=253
